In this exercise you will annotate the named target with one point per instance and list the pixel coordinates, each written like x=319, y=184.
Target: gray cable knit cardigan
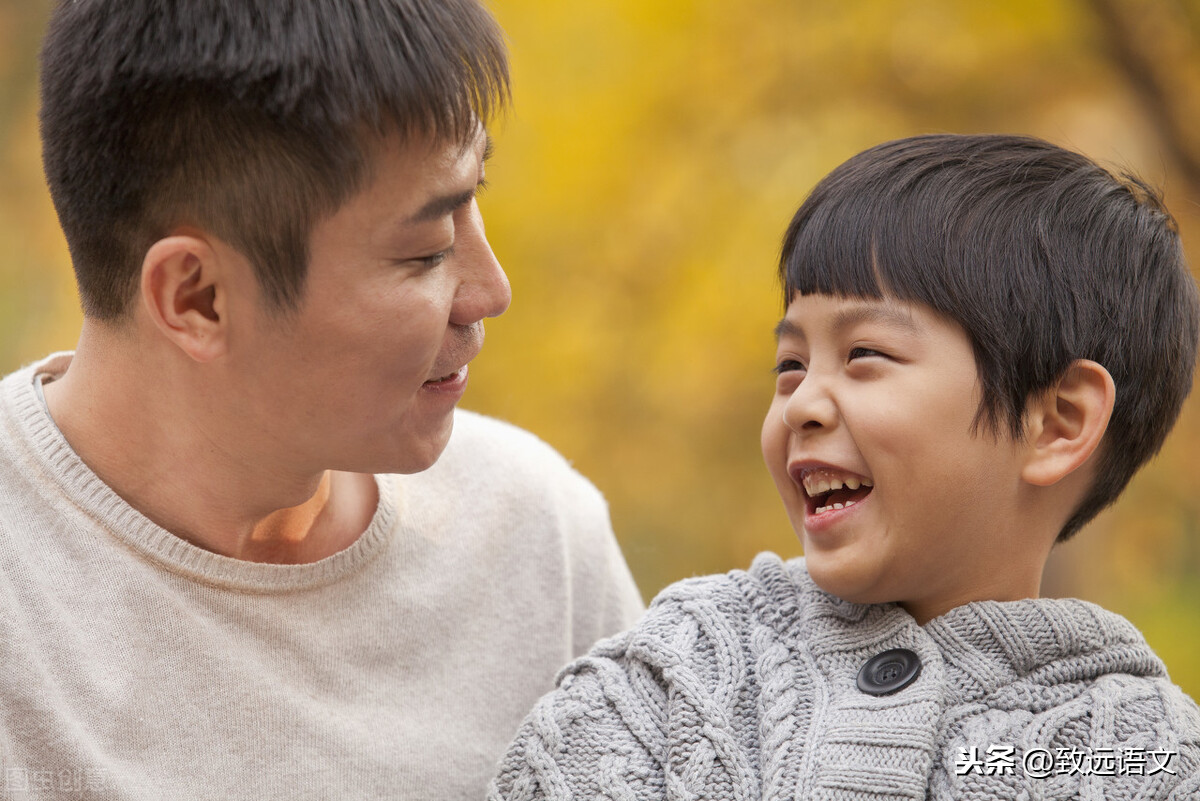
x=743, y=686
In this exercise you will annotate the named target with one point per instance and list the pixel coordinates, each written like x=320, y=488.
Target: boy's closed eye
x=862, y=352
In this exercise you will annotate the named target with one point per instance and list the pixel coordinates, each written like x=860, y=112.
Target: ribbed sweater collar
x=38, y=450
x=984, y=646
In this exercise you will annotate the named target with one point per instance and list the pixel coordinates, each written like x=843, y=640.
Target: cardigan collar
x=984, y=646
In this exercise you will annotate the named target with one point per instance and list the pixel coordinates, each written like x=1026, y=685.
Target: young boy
x=985, y=337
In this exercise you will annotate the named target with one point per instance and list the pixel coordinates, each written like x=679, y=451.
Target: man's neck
x=169, y=455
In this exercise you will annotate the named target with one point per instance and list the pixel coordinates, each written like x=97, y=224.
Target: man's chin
x=406, y=446
x=421, y=451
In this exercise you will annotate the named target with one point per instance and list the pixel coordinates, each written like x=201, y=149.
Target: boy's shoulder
x=1060, y=691
x=773, y=593
x=1112, y=736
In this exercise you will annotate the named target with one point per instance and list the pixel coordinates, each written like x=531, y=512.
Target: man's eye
x=433, y=260
x=787, y=366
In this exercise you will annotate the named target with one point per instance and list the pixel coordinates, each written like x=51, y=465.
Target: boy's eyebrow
x=885, y=315
x=851, y=316
x=786, y=328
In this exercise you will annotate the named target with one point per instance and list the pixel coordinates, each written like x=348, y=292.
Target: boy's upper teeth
x=820, y=482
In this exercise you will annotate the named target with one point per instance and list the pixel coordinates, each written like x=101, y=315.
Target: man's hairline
x=372, y=144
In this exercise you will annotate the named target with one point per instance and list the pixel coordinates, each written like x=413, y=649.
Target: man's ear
x=1065, y=424
x=183, y=289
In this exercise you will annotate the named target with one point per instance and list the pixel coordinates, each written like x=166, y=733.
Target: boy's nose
x=810, y=407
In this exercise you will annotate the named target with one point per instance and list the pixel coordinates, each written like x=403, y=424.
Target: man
x=248, y=549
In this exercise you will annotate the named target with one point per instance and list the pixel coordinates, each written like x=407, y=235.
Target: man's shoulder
x=496, y=455
x=506, y=482
x=31, y=449
x=527, y=518
x=477, y=434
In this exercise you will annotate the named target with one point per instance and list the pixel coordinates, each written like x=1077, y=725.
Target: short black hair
x=1042, y=256
x=251, y=119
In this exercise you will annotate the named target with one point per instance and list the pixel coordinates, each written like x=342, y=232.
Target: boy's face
x=879, y=397
x=364, y=376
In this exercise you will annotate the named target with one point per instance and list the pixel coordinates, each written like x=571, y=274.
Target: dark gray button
x=888, y=672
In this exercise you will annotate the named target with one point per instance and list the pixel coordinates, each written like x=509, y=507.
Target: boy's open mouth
x=827, y=490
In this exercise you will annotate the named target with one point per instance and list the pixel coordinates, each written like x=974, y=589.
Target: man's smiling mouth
x=447, y=377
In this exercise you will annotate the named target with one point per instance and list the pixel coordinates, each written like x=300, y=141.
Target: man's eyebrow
x=441, y=206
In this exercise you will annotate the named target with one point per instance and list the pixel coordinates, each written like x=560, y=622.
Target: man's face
x=869, y=440
x=364, y=376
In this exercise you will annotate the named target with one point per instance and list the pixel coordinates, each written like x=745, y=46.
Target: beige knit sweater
x=134, y=665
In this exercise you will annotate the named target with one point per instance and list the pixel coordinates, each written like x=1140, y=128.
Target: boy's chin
x=849, y=582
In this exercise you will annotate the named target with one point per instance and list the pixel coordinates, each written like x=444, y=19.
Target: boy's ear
x=1065, y=425
x=182, y=288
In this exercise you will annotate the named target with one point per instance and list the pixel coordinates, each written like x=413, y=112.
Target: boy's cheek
x=774, y=443
x=775, y=454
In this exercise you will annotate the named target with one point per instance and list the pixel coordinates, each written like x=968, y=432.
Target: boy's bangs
x=864, y=246
x=831, y=252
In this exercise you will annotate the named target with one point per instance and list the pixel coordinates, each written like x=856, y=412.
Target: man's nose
x=483, y=290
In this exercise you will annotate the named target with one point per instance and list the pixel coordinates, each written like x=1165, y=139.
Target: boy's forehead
x=836, y=313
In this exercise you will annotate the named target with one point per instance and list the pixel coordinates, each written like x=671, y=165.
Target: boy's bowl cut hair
x=1039, y=254
x=250, y=120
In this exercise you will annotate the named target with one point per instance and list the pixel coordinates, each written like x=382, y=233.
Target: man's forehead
x=479, y=142
x=377, y=143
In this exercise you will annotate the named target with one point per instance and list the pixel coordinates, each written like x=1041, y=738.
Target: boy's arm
x=645, y=711
x=600, y=734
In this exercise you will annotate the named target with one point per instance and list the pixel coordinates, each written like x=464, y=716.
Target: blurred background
x=641, y=184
